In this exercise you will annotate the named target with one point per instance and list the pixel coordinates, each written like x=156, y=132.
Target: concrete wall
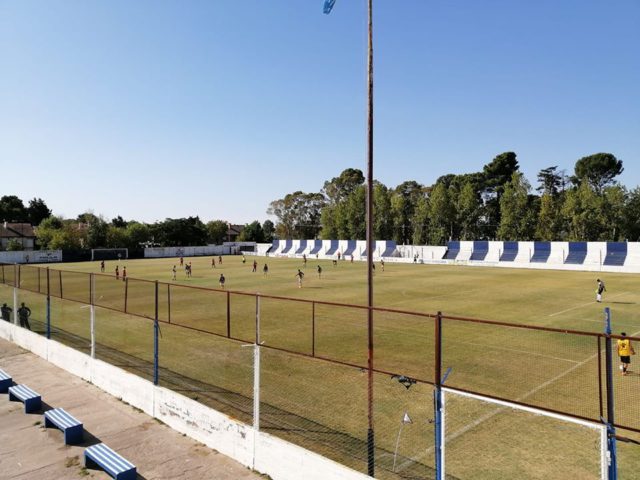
x=31, y=256
x=265, y=453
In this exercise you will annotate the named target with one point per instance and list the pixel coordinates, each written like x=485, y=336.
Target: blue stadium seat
x=333, y=247
x=275, y=245
x=287, y=246
x=351, y=247
x=480, y=250
x=453, y=249
x=390, y=249
x=577, y=253
x=616, y=253
x=317, y=246
x=510, y=252
x=302, y=247
x=541, y=252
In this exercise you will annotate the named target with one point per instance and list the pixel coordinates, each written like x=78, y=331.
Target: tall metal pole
x=48, y=303
x=370, y=432
x=611, y=431
x=156, y=346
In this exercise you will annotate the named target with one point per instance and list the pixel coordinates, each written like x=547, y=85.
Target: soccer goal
x=109, y=253
x=488, y=438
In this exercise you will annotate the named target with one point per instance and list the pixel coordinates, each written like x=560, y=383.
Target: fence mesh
x=321, y=403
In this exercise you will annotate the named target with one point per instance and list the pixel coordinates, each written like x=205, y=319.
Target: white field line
x=516, y=350
x=583, y=305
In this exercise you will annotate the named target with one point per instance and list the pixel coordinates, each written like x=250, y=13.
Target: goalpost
x=109, y=253
x=515, y=441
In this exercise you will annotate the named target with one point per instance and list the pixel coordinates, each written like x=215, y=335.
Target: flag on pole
x=328, y=5
x=406, y=418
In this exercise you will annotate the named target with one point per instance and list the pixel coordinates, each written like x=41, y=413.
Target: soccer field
x=323, y=406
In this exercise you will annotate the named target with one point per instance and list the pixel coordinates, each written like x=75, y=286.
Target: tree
x=420, y=222
x=550, y=224
x=468, y=212
x=382, y=219
x=252, y=233
x=12, y=209
x=598, y=170
x=550, y=180
x=96, y=232
x=37, y=211
x=404, y=199
x=515, y=217
x=180, y=232
x=631, y=215
x=583, y=210
x=441, y=213
x=268, y=228
x=339, y=188
x=298, y=214
x=69, y=237
x=119, y=222
x=14, y=245
x=46, y=231
x=136, y=234
x=217, y=232
x=115, y=237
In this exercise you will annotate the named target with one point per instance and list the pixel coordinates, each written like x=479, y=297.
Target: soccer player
x=382, y=264
x=244, y=260
x=265, y=269
x=599, y=291
x=222, y=280
x=117, y=273
x=213, y=262
x=300, y=276
x=304, y=260
x=335, y=262
x=319, y=271
x=338, y=256
x=255, y=266
x=102, y=266
x=173, y=271
x=625, y=350
x=24, y=313
x=220, y=259
x=181, y=262
x=124, y=274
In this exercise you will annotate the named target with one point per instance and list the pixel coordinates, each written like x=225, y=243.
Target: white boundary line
x=583, y=305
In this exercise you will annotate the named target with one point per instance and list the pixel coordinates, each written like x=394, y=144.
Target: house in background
x=233, y=231
x=22, y=232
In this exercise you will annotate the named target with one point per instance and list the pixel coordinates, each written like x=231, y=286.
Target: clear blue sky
x=151, y=109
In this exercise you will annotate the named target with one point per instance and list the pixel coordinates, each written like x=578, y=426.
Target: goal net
x=484, y=438
x=109, y=253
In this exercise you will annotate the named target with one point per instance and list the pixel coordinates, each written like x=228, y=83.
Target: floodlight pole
x=370, y=432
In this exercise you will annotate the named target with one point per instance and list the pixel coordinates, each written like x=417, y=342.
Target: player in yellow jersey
x=625, y=350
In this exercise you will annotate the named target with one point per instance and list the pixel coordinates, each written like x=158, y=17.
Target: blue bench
x=32, y=400
x=72, y=428
x=102, y=456
x=5, y=381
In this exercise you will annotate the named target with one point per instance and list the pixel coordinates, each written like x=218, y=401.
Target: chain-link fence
x=327, y=378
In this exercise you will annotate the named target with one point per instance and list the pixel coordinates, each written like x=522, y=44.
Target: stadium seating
x=32, y=400
x=333, y=247
x=72, y=428
x=510, y=252
x=5, y=381
x=453, y=249
x=541, y=252
x=112, y=463
x=302, y=246
x=288, y=244
x=480, y=250
x=274, y=247
x=577, y=253
x=616, y=253
x=389, y=249
x=351, y=247
x=317, y=247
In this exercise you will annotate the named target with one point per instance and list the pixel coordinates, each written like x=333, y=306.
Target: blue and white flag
x=328, y=5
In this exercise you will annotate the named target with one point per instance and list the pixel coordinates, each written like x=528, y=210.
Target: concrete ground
x=29, y=451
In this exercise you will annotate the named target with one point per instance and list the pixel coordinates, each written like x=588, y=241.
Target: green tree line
x=92, y=231
x=496, y=203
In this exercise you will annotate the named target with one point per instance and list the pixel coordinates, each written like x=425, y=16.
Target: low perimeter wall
x=261, y=451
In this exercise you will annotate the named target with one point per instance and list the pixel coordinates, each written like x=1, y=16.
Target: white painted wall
x=31, y=256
